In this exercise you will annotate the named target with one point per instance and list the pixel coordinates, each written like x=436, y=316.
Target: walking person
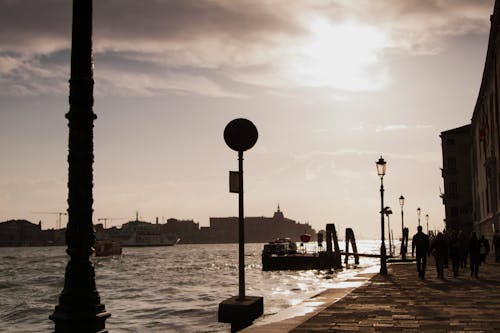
x=496, y=245
x=473, y=250
x=420, y=242
x=484, y=249
x=463, y=249
x=446, y=254
x=455, y=247
x=439, y=250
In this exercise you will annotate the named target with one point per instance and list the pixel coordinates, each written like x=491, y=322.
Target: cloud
x=255, y=43
x=391, y=128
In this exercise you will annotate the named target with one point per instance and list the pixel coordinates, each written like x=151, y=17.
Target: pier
x=399, y=302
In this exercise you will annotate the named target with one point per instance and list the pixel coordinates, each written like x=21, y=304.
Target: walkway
x=401, y=302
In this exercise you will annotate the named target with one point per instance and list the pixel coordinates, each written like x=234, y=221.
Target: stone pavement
x=401, y=302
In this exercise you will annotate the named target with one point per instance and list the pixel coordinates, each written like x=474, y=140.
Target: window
x=452, y=164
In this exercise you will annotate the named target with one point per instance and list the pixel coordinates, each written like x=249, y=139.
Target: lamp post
x=381, y=167
x=80, y=308
x=427, y=222
x=418, y=214
x=402, y=203
x=387, y=212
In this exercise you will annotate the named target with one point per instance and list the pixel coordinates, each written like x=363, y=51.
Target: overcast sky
x=330, y=85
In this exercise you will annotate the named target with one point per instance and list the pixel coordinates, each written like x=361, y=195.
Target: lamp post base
x=383, y=260
x=68, y=322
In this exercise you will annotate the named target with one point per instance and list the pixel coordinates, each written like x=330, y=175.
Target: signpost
x=240, y=135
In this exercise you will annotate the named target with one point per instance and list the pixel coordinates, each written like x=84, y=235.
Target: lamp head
x=381, y=166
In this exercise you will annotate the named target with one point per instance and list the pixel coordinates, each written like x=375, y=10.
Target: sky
x=330, y=85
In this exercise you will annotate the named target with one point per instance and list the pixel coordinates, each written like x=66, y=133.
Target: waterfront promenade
x=401, y=302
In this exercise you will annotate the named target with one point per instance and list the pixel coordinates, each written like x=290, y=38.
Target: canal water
x=157, y=289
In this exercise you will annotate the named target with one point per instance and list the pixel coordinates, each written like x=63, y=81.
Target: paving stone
x=401, y=302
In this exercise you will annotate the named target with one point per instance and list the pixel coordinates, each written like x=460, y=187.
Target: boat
x=282, y=254
x=280, y=247
x=107, y=247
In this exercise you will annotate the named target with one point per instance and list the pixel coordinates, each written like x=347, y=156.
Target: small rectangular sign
x=234, y=182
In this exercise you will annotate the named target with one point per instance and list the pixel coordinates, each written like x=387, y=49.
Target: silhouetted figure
x=463, y=249
x=455, y=249
x=484, y=249
x=496, y=245
x=439, y=250
x=446, y=254
x=474, y=254
x=420, y=242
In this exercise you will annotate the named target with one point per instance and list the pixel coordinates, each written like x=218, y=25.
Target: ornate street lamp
x=402, y=203
x=418, y=214
x=381, y=167
x=427, y=222
x=80, y=308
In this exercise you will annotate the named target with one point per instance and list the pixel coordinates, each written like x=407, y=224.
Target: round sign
x=240, y=134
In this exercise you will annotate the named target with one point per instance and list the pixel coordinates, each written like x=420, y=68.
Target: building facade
x=485, y=138
x=456, y=172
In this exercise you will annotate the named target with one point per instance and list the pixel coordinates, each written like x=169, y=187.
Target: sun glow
x=343, y=56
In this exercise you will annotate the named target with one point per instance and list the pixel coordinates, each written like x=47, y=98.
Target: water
x=156, y=289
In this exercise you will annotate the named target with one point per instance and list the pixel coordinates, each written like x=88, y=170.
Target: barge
x=282, y=254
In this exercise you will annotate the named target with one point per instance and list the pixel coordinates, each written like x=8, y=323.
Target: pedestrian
x=439, y=250
x=473, y=250
x=420, y=242
x=463, y=249
x=446, y=254
x=496, y=245
x=484, y=249
x=455, y=247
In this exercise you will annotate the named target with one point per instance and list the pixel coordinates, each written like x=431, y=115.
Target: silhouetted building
x=485, y=141
x=141, y=233
x=187, y=230
x=258, y=229
x=26, y=233
x=486, y=138
x=456, y=172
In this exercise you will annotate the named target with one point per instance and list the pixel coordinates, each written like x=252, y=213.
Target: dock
x=399, y=302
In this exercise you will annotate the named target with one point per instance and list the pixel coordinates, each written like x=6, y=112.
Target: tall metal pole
x=80, y=309
x=241, y=231
x=240, y=135
x=383, y=263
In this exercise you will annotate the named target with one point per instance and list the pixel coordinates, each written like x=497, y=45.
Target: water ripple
x=161, y=289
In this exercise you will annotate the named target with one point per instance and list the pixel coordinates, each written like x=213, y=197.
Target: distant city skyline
x=330, y=85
